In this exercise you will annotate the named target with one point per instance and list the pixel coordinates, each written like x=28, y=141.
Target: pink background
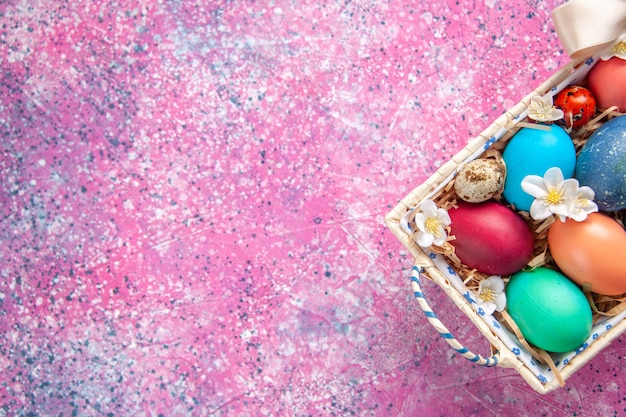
x=192, y=204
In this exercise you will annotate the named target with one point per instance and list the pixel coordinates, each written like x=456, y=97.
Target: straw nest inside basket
x=446, y=198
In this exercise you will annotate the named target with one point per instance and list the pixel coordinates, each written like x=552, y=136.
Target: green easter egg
x=550, y=310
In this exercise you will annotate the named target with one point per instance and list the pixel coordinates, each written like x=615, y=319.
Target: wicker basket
x=507, y=349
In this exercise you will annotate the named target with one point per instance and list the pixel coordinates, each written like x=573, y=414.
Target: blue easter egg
x=532, y=152
x=602, y=164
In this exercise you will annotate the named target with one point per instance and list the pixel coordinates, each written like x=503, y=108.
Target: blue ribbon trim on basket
x=441, y=329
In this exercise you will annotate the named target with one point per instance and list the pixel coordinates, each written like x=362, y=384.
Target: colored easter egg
x=601, y=164
x=550, y=310
x=591, y=252
x=578, y=105
x=607, y=82
x=532, y=152
x=490, y=237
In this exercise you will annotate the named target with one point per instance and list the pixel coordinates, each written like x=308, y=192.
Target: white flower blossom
x=618, y=49
x=491, y=296
x=583, y=204
x=541, y=109
x=431, y=222
x=556, y=195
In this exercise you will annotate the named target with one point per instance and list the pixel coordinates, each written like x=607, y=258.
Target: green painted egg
x=550, y=310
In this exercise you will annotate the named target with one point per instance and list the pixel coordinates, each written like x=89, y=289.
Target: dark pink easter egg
x=607, y=82
x=491, y=237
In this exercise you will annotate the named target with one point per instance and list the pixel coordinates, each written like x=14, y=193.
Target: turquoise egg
x=550, y=310
x=532, y=152
x=602, y=164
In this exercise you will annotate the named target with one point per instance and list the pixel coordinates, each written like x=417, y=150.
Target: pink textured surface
x=192, y=206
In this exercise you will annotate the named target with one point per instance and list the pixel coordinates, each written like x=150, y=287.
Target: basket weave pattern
x=457, y=282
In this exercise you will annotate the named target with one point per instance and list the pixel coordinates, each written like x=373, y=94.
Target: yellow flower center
x=432, y=226
x=487, y=295
x=620, y=48
x=582, y=201
x=541, y=111
x=554, y=196
x=544, y=111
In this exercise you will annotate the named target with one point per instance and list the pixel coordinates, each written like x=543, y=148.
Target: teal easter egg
x=602, y=164
x=550, y=310
x=532, y=152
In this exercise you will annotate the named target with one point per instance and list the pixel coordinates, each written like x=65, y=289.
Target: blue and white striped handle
x=416, y=276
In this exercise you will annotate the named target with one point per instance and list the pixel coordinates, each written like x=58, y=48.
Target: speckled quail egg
x=479, y=180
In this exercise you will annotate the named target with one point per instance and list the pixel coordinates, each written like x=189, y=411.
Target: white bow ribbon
x=590, y=27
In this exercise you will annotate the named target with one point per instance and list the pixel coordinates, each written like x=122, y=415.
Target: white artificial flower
x=583, y=204
x=491, y=296
x=556, y=195
x=618, y=49
x=541, y=109
x=431, y=222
